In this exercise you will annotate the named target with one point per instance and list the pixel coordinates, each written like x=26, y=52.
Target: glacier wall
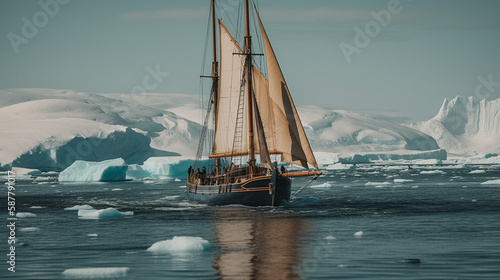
x=466, y=126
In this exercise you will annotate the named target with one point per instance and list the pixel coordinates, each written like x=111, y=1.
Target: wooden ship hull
x=256, y=191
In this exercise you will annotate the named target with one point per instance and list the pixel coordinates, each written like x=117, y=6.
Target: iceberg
x=80, y=207
x=169, y=167
x=465, y=125
x=93, y=214
x=58, y=127
x=104, y=171
x=491, y=182
x=25, y=215
x=180, y=244
x=96, y=273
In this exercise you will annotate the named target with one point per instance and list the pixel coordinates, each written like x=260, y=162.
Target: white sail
x=282, y=126
x=231, y=73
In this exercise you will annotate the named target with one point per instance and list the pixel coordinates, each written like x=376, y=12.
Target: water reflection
x=258, y=245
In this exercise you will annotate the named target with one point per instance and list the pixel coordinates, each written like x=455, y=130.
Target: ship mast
x=215, y=77
x=248, y=53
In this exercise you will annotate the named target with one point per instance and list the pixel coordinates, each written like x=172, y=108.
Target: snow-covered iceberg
x=104, y=171
x=348, y=132
x=466, y=125
x=57, y=127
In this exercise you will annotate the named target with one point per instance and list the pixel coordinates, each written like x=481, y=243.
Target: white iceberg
x=94, y=214
x=465, y=125
x=402, y=180
x=321, y=186
x=432, y=172
x=491, y=182
x=169, y=167
x=80, y=207
x=104, y=171
x=180, y=244
x=96, y=273
x=25, y=215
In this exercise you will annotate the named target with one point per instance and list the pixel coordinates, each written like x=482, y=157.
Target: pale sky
x=428, y=50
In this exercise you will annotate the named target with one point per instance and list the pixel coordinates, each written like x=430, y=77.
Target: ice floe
x=93, y=214
x=432, y=172
x=402, y=180
x=96, y=273
x=491, y=182
x=358, y=234
x=80, y=207
x=321, y=186
x=180, y=244
x=25, y=215
x=29, y=229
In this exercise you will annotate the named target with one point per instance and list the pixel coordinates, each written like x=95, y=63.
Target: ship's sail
x=276, y=122
x=231, y=73
x=282, y=126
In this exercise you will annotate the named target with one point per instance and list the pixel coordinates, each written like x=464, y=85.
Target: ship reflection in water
x=258, y=246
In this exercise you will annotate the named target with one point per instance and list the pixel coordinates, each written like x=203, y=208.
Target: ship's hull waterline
x=253, y=192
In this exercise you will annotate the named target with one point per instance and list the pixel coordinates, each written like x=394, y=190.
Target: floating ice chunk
x=169, y=167
x=177, y=180
x=180, y=244
x=96, y=272
x=116, y=189
x=402, y=180
x=80, y=207
x=29, y=229
x=431, y=172
x=491, y=182
x=102, y=213
x=377, y=183
x=86, y=171
x=340, y=166
x=320, y=186
x=358, y=234
x=170, y=197
x=414, y=187
x=479, y=171
x=329, y=237
x=25, y=215
x=429, y=162
x=92, y=235
x=37, y=207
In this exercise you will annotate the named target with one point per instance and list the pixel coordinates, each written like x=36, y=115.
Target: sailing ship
x=250, y=119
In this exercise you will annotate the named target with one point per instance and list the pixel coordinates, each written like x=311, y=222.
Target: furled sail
x=282, y=126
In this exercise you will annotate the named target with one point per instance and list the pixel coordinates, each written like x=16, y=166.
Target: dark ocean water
x=441, y=225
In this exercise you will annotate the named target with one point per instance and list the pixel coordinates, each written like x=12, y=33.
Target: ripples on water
x=374, y=222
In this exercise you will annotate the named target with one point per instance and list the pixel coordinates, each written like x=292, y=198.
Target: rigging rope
x=303, y=187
